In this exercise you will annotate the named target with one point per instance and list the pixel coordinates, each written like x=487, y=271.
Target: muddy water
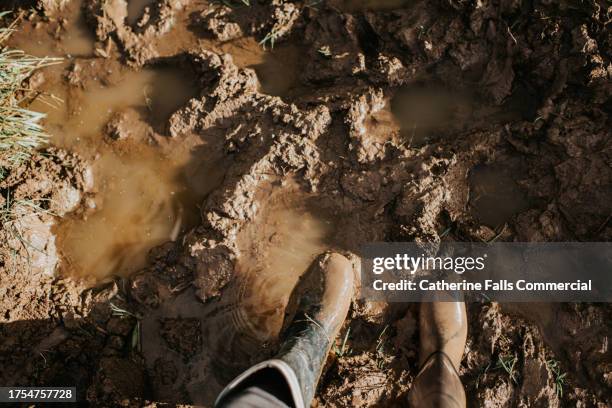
x=143, y=196
x=242, y=326
x=75, y=41
x=424, y=112
x=495, y=197
x=274, y=252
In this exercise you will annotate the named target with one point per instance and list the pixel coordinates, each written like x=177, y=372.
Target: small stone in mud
x=118, y=127
x=66, y=198
x=182, y=335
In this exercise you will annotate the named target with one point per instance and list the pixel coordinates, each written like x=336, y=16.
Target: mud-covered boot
x=443, y=332
x=317, y=308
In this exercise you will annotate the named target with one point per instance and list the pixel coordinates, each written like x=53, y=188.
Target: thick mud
x=217, y=148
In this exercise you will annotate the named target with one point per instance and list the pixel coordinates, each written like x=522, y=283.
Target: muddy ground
x=528, y=100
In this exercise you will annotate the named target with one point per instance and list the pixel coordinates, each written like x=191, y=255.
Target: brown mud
x=206, y=172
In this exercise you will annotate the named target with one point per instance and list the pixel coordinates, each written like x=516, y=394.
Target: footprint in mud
x=278, y=70
x=495, y=197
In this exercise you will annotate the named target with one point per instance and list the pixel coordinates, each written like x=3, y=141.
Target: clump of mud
x=402, y=122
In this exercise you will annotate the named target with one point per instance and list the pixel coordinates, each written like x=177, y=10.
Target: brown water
x=495, y=197
x=423, y=112
x=144, y=195
x=239, y=327
x=274, y=252
x=75, y=41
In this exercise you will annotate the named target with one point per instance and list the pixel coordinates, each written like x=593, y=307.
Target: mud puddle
x=274, y=252
x=428, y=113
x=74, y=40
x=425, y=113
x=142, y=195
x=495, y=196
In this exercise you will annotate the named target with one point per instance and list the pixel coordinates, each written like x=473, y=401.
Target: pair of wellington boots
x=319, y=306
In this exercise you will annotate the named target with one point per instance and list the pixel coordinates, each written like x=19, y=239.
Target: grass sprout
x=560, y=377
x=343, y=350
x=508, y=364
x=136, y=331
x=270, y=38
x=117, y=311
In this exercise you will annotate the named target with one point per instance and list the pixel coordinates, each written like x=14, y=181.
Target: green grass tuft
x=508, y=364
x=560, y=377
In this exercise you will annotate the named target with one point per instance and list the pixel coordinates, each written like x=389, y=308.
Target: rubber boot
x=317, y=308
x=443, y=333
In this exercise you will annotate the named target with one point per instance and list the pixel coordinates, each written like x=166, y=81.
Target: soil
x=366, y=121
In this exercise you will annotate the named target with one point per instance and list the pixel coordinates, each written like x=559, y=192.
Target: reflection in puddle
x=494, y=195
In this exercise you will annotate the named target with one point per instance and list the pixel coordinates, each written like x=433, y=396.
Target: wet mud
x=206, y=152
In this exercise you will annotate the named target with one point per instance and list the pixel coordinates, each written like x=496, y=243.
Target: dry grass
x=21, y=131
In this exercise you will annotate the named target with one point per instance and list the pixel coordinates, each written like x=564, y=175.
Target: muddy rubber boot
x=443, y=332
x=317, y=308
